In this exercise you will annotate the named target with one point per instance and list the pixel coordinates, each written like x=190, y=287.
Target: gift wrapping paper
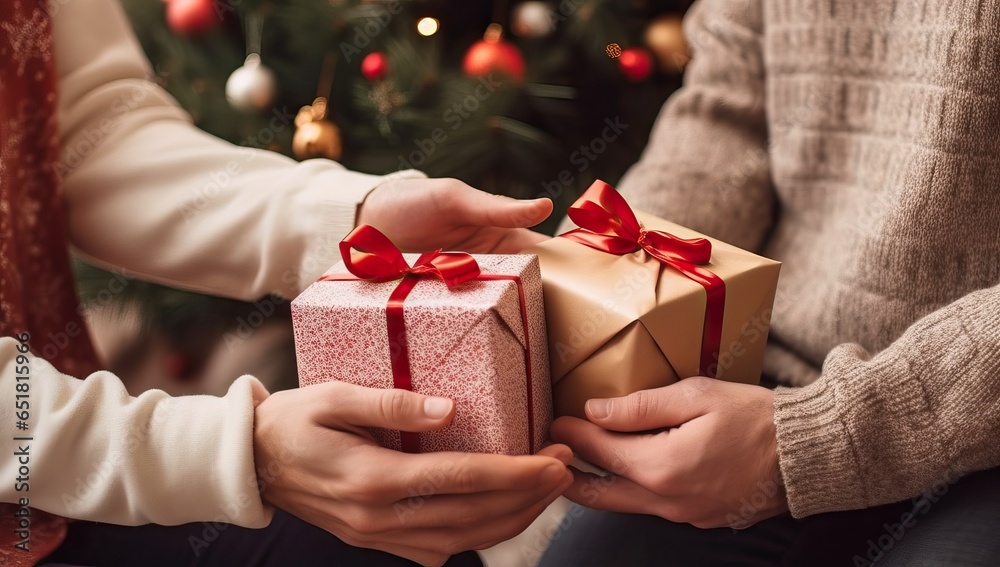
x=618, y=324
x=466, y=343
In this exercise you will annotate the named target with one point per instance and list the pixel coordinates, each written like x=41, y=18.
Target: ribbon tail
x=399, y=351
x=715, y=309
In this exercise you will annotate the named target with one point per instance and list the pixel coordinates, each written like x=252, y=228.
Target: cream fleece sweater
x=149, y=193
x=857, y=141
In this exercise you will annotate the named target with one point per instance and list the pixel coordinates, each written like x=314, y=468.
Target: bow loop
x=370, y=255
x=453, y=268
x=608, y=224
x=666, y=247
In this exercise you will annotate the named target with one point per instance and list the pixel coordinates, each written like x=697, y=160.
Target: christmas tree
x=513, y=104
x=534, y=98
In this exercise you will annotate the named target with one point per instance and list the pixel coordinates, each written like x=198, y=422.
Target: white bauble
x=252, y=86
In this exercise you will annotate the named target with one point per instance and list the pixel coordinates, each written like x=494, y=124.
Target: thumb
x=646, y=410
x=343, y=405
x=478, y=208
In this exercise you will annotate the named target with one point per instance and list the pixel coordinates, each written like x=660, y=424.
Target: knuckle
x=467, y=516
x=465, y=479
x=349, y=537
x=698, y=524
x=365, y=523
x=366, y=495
x=394, y=405
x=659, y=485
x=665, y=481
x=640, y=405
x=704, y=524
x=696, y=386
x=362, y=490
x=330, y=400
x=452, y=545
x=671, y=513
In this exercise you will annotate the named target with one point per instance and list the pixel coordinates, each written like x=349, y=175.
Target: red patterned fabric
x=37, y=294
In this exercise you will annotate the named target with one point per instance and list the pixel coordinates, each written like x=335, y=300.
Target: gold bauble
x=665, y=38
x=314, y=135
x=317, y=139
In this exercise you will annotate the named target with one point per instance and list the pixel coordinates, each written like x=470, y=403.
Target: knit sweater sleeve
x=706, y=164
x=881, y=428
x=92, y=452
x=149, y=192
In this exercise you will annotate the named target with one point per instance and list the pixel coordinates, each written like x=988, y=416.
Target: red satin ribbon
x=608, y=224
x=370, y=255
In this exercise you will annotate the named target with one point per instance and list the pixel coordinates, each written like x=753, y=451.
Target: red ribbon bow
x=608, y=224
x=370, y=255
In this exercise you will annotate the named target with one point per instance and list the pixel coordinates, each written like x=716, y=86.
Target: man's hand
x=700, y=451
x=420, y=215
x=316, y=460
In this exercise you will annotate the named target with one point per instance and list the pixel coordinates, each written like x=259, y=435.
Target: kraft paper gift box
x=624, y=320
x=478, y=339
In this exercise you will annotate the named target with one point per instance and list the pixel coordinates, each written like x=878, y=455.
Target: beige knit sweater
x=857, y=141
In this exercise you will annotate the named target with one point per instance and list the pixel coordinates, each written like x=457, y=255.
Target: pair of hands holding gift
x=700, y=451
x=316, y=459
x=328, y=470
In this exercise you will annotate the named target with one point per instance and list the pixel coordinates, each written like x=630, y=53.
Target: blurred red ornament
x=192, y=17
x=493, y=54
x=375, y=66
x=636, y=64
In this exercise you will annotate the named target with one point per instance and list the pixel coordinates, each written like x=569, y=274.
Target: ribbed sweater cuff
x=815, y=452
x=333, y=199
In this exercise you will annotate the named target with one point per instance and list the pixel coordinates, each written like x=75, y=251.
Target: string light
x=427, y=26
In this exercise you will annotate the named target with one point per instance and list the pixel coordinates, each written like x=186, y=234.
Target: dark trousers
x=287, y=541
x=951, y=525
x=955, y=524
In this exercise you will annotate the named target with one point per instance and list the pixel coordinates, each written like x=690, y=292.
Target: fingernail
x=599, y=408
x=437, y=408
x=552, y=473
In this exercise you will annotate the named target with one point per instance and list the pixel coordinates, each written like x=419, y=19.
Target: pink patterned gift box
x=467, y=343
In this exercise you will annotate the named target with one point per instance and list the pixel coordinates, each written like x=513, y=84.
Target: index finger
x=516, y=240
x=427, y=474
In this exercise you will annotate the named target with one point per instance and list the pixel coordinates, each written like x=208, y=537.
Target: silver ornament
x=252, y=86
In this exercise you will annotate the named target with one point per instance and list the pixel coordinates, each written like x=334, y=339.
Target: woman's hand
x=316, y=460
x=419, y=215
